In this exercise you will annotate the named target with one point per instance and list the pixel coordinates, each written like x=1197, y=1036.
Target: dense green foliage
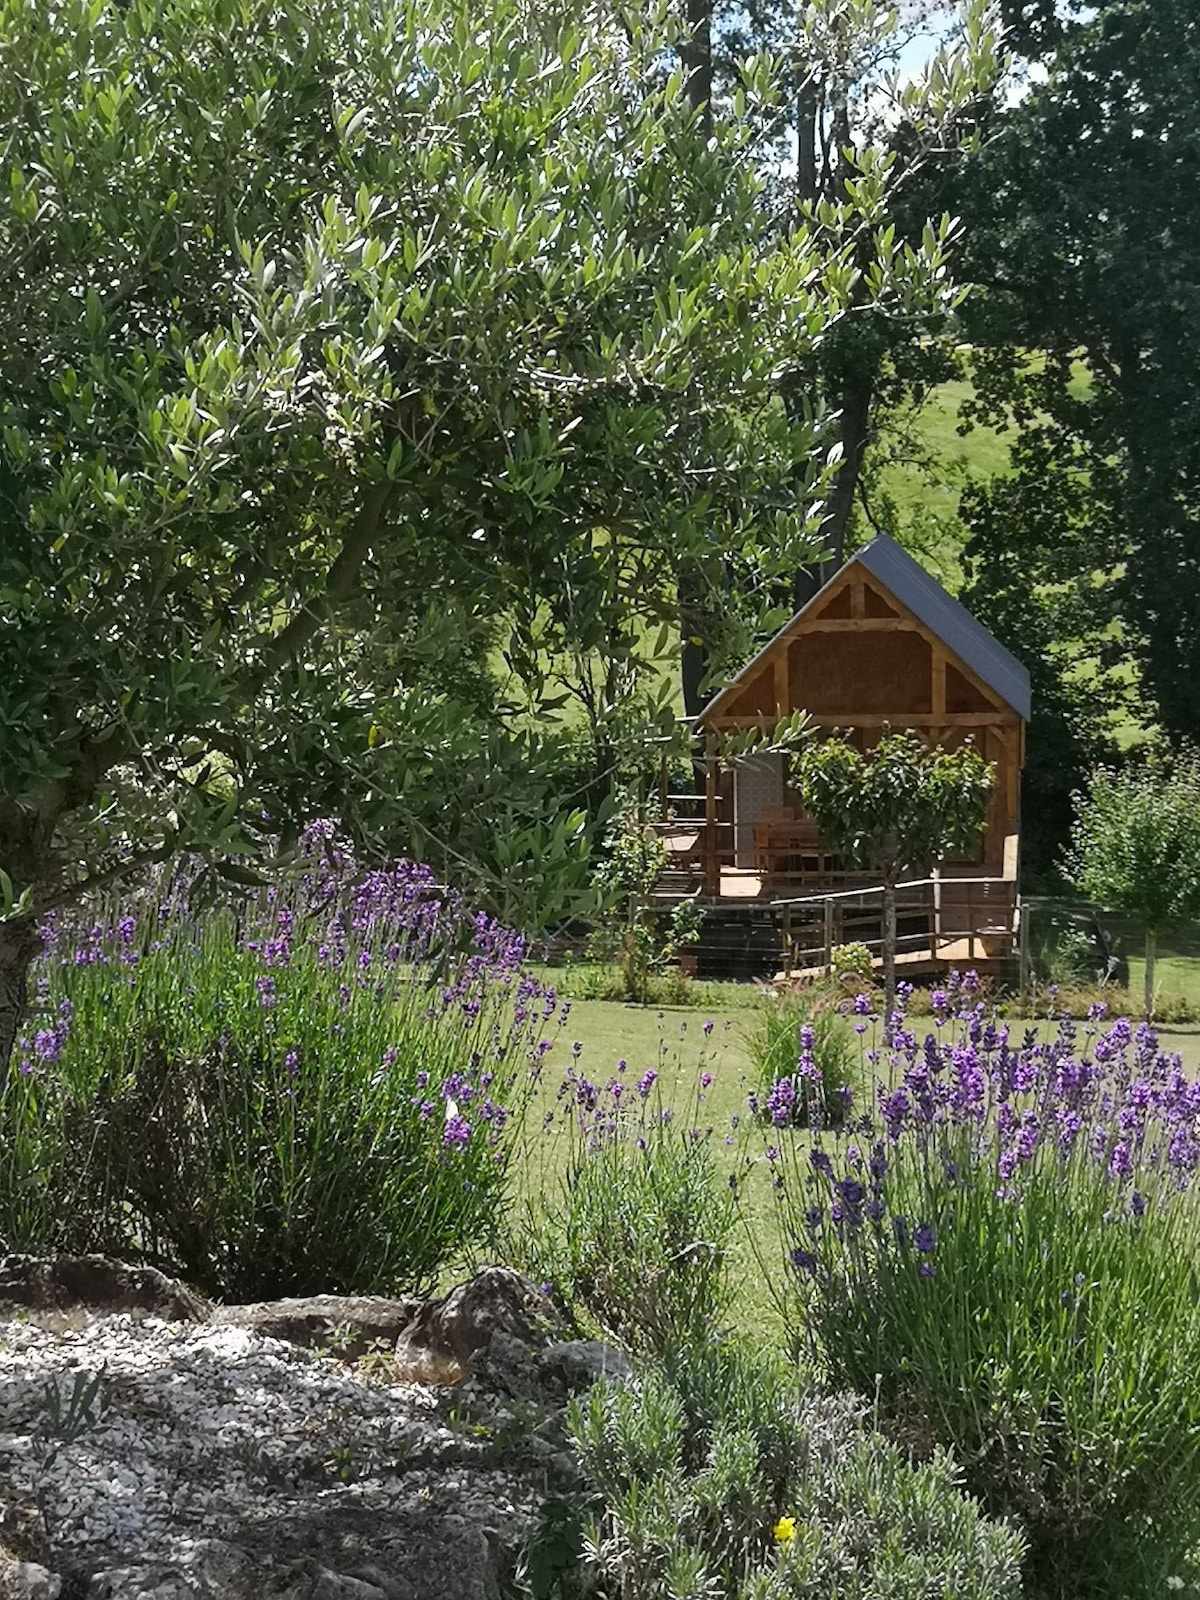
x=899, y=807
x=1135, y=846
x=1081, y=224
x=722, y=1479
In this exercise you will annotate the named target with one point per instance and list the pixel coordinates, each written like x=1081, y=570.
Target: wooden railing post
x=712, y=863
x=828, y=937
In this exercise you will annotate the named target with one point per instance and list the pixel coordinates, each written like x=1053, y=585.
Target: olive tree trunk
x=20, y=943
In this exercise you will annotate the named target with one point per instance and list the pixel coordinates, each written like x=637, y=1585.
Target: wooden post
x=789, y=954
x=1023, y=949
x=783, y=704
x=828, y=937
x=937, y=688
x=712, y=862
x=937, y=909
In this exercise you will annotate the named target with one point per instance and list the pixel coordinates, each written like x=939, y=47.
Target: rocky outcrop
x=242, y=1452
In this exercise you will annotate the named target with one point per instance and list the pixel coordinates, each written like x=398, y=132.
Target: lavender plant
x=730, y=1483
x=1003, y=1249
x=317, y=1090
x=636, y=1234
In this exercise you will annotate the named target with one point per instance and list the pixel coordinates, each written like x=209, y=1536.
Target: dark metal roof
x=941, y=613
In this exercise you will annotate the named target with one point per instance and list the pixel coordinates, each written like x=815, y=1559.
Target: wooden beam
x=891, y=719
x=782, y=701
x=1012, y=771
x=859, y=625
x=858, y=598
x=938, y=683
x=712, y=865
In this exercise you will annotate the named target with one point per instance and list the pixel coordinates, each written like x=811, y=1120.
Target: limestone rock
x=346, y=1325
x=463, y=1323
x=26, y=1580
x=95, y=1283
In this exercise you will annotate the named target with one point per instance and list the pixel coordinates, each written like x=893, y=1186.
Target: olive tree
x=899, y=807
x=328, y=329
x=1135, y=846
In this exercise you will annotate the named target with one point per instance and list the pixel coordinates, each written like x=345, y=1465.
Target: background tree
x=1135, y=846
x=897, y=808
x=1082, y=227
x=832, y=121
x=844, y=108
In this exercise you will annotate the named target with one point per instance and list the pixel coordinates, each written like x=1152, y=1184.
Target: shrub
x=725, y=1480
x=1005, y=1251
x=852, y=961
x=638, y=1233
x=805, y=1058
x=316, y=1091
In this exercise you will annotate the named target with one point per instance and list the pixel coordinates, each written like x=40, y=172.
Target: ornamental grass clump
x=1004, y=1250
x=805, y=1058
x=316, y=1090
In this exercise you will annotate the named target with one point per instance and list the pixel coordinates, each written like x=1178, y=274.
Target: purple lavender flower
x=781, y=1102
x=456, y=1132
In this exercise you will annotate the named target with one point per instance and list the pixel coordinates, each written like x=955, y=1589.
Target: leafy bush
x=852, y=961
x=805, y=1058
x=317, y=1091
x=1068, y=957
x=1006, y=1254
x=724, y=1480
x=638, y=1233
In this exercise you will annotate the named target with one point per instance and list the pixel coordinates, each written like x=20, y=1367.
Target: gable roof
x=908, y=582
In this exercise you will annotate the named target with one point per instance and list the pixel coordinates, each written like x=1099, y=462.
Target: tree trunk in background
x=1151, y=952
x=807, y=106
x=889, y=955
x=697, y=60
x=690, y=584
x=20, y=942
x=857, y=392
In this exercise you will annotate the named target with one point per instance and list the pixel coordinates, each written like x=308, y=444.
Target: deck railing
x=939, y=919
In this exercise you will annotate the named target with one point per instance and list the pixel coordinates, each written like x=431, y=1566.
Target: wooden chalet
x=880, y=645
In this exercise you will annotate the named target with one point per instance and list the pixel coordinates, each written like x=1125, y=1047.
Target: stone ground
x=168, y=1460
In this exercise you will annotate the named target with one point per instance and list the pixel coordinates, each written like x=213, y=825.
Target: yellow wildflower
x=785, y=1530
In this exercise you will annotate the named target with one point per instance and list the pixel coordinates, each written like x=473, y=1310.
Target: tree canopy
x=898, y=806
x=1083, y=229
x=337, y=336
x=1135, y=845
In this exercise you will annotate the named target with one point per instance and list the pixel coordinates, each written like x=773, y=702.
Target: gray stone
x=210, y=1567
x=346, y=1325
x=25, y=1580
x=95, y=1283
x=578, y=1363
x=463, y=1323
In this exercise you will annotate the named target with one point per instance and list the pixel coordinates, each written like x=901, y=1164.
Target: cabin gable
x=856, y=655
